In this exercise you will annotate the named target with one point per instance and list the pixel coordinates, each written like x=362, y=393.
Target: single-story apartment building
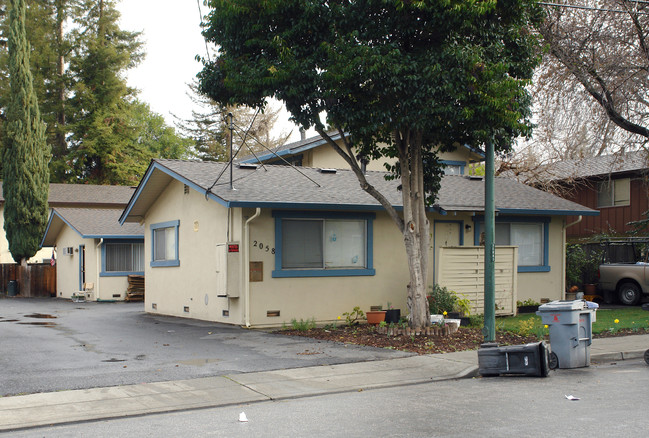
x=94, y=253
x=276, y=243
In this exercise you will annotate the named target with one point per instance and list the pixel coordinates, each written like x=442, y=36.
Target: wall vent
x=186, y=309
x=272, y=313
x=328, y=170
x=226, y=313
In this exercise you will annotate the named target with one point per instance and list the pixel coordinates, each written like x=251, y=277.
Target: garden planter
x=375, y=317
x=527, y=309
x=590, y=289
x=392, y=315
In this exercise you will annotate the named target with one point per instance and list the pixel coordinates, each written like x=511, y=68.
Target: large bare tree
x=591, y=91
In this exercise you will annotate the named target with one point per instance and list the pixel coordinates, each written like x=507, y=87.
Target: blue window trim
x=545, y=267
x=462, y=164
x=105, y=273
x=164, y=263
x=290, y=273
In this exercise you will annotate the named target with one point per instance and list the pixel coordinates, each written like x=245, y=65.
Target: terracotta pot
x=375, y=317
x=590, y=289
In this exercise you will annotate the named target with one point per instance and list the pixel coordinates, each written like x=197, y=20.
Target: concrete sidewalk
x=45, y=409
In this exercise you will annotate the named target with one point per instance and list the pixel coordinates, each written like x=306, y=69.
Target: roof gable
x=89, y=223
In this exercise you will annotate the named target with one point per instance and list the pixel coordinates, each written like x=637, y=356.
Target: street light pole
x=489, y=329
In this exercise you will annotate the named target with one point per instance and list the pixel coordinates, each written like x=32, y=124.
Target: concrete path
x=43, y=409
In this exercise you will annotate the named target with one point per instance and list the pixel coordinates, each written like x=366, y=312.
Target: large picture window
x=123, y=258
x=336, y=245
x=530, y=236
x=164, y=244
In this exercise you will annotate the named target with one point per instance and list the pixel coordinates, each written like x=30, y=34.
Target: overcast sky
x=172, y=37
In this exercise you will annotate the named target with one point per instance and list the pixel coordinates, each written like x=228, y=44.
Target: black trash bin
x=528, y=360
x=12, y=288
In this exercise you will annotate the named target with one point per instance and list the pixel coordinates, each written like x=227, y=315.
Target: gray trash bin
x=571, y=333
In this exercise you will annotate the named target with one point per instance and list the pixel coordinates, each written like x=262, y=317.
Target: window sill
x=289, y=273
x=119, y=274
x=165, y=263
x=533, y=269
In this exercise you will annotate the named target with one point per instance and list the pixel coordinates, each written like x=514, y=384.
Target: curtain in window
x=302, y=244
x=529, y=239
x=345, y=244
x=124, y=257
x=164, y=243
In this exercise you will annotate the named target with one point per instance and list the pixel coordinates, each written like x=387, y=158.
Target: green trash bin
x=12, y=288
x=571, y=332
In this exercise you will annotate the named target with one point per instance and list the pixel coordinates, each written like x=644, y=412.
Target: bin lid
x=559, y=305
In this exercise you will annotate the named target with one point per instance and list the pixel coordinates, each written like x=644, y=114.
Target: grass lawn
x=607, y=320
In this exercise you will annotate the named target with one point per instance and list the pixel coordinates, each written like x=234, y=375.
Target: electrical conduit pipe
x=246, y=270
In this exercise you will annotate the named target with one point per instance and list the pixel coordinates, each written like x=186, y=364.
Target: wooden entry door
x=445, y=233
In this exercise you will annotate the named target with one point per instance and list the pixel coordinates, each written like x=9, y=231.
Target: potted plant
x=392, y=315
x=590, y=272
x=375, y=316
x=527, y=306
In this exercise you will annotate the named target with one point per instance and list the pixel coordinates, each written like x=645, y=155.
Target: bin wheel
x=646, y=357
x=553, y=362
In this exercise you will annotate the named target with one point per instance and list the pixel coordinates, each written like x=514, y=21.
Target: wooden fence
x=461, y=269
x=37, y=280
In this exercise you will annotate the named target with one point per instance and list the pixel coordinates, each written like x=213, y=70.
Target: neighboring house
x=315, y=152
x=615, y=185
x=95, y=254
x=69, y=195
x=283, y=244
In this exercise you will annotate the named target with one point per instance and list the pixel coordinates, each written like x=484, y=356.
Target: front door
x=445, y=233
x=82, y=266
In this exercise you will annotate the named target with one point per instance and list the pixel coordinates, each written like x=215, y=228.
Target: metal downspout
x=563, y=265
x=246, y=270
x=101, y=240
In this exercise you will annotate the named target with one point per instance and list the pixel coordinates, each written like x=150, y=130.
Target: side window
x=611, y=193
x=164, y=244
x=123, y=258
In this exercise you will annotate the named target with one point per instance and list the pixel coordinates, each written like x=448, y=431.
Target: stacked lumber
x=135, y=291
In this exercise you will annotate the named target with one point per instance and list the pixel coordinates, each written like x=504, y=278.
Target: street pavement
x=27, y=411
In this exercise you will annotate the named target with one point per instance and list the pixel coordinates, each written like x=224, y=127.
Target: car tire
x=629, y=293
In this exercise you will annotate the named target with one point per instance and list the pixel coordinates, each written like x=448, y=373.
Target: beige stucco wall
x=325, y=156
x=67, y=269
x=189, y=290
x=192, y=285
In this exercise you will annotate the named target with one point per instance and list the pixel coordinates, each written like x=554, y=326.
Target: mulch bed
x=466, y=338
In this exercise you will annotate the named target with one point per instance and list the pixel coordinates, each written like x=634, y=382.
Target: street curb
x=621, y=355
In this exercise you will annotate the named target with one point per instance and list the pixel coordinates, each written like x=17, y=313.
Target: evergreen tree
x=102, y=150
x=26, y=155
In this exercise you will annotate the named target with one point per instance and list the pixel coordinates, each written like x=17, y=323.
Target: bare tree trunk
x=414, y=225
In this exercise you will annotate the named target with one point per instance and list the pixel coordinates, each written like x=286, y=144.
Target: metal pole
x=489, y=329
x=231, y=126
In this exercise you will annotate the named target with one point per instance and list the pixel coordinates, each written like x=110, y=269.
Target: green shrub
x=354, y=316
x=441, y=300
x=302, y=325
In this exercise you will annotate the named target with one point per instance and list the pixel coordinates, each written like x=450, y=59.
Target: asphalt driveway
x=53, y=344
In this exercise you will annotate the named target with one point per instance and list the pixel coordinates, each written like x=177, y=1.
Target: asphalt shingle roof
x=86, y=195
x=90, y=223
x=274, y=186
x=594, y=166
